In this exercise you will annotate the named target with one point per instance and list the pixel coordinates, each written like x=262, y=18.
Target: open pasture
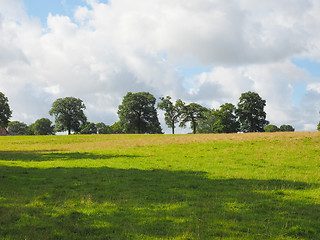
x=230, y=186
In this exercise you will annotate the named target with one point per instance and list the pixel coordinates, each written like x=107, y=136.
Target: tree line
x=138, y=114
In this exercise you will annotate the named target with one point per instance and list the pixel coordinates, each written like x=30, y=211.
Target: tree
x=271, y=128
x=88, y=128
x=318, y=126
x=5, y=112
x=17, y=128
x=192, y=113
x=138, y=114
x=207, y=123
x=43, y=126
x=252, y=116
x=226, y=119
x=30, y=129
x=172, y=111
x=286, y=128
x=68, y=114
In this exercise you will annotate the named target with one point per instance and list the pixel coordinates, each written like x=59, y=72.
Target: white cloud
x=118, y=47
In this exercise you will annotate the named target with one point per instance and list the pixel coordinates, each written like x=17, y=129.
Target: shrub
x=271, y=128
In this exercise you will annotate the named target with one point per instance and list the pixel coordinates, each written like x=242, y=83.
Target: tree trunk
x=69, y=131
x=194, y=127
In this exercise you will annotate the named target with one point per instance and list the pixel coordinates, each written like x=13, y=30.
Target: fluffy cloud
x=106, y=50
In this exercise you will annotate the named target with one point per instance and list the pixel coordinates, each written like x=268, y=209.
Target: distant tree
x=5, y=112
x=17, y=128
x=30, y=129
x=103, y=128
x=68, y=114
x=286, y=128
x=43, y=126
x=271, y=128
x=192, y=113
x=138, y=114
x=250, y=112
x=172, y=111
x=88, y=128
x=117, y=128
x=318, y=126
x=226, y=119
x=207, y=123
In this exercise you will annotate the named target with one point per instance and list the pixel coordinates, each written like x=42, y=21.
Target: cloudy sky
x=204, y=51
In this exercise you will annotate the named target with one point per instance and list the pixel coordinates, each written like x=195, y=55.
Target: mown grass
x=232, y=186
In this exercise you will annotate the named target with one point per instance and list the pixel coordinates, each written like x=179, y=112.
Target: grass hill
x=210, y=186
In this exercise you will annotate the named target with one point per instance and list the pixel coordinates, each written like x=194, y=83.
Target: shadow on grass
x=38, y=156
x=107, y=203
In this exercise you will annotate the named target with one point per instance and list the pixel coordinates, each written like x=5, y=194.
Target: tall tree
x=172, y=111
x=226, y=119
x=192, y=113
x=43, y=126
x=138, y=114
x=5, y=112
x=68, y=114
x=207, y=123
x=252, y=116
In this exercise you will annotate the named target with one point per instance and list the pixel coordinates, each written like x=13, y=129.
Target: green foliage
x=43, y=126
x=271, y=128
x=138, y=114
x=252, y=116
x=226, y=119
x=192, y=113
x=319, y=126
x=117, y=128
x=172, y=111
x=68, y=114
x=88, y=128
x=5, y=112
x=207, y=123
x=30, y=129
x=286, y=128
x=17, y=128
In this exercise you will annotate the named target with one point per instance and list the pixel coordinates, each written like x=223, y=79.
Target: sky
x=203, y=51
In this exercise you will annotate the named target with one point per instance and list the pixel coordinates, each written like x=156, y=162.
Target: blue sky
x=207, y=52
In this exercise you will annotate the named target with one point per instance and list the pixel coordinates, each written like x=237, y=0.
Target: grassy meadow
x=218, y=186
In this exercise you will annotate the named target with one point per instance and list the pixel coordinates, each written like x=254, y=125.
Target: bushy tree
x=68, y=114
x=172, y=111
x=192, y=113
x=5, y=111
x=286, y=128
x=43, y=126
x=250, y=112
x=88, y=128
x=226, y=119
x=319, y=126
x=207, y=123
x=271, y=128
x=17, y=128
x=138, y=114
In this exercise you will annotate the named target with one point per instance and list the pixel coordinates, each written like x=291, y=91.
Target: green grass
x=233, y=186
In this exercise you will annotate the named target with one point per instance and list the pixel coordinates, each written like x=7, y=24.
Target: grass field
x=226, y=186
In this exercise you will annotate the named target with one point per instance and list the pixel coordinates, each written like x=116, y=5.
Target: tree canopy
x=5, y=111
x=68, y=114
x=192, y=113
x=252, y=116
x=43, y=126
x=17, y=128
x=172, y=111
x=138, y=114
x=226, y=119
